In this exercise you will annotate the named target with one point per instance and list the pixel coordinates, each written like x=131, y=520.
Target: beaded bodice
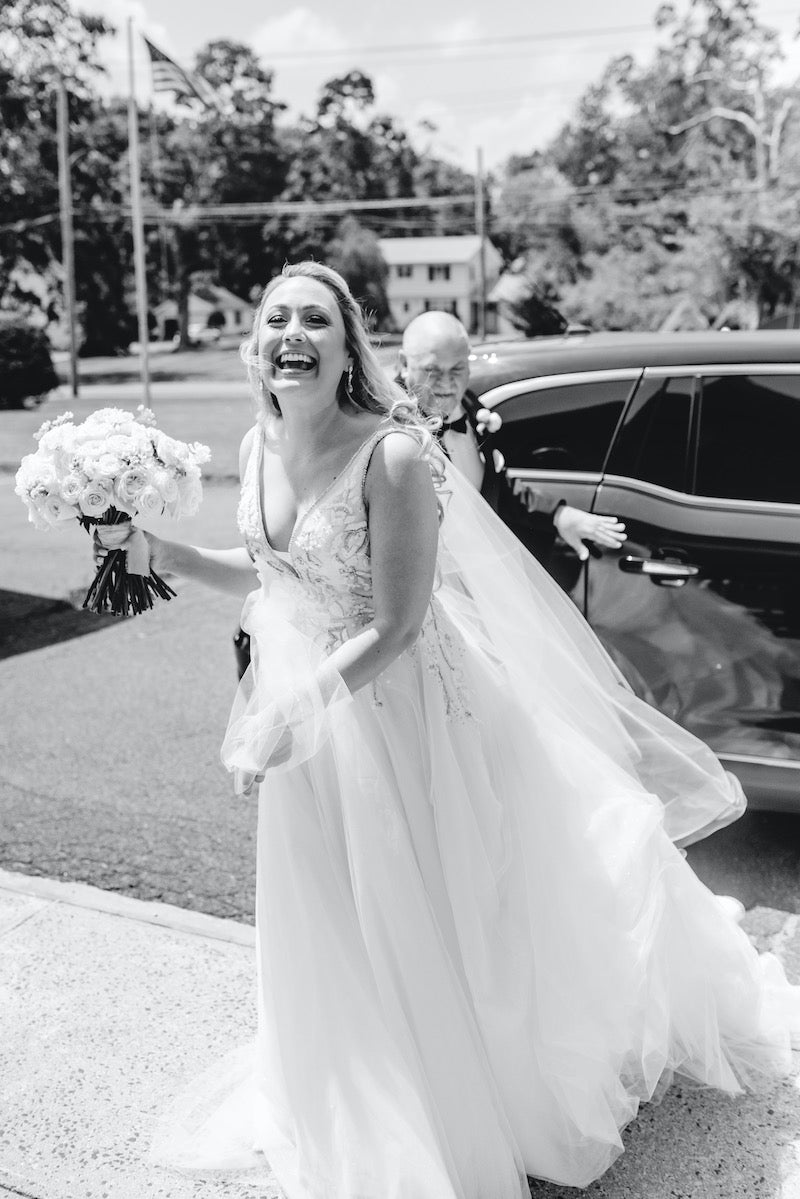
x=328, y=555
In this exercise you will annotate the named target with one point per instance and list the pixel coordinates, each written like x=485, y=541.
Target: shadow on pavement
x=29, y=622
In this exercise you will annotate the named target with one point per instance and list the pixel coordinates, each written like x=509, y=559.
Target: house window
x=404, y=270
x=438, y=273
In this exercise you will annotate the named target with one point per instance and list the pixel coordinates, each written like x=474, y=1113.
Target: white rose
x=165, y=483
x=149, y=502
x=131, y=483
x=26, y=475
x=57, y=510
x=71, y=487
x=36, y=510
x=487, y=420
x=96, y=497
x=200, y=453
x=109, y=465
x=170, y=451
x=111, y=417
x=191, y=494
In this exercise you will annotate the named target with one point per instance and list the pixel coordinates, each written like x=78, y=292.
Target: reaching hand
x=246, y=784
x=146, y=546
x=574, y=526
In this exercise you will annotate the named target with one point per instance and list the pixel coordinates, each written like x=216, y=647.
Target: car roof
x=493, y=363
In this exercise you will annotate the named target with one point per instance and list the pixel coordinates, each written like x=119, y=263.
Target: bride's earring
x=348, y=387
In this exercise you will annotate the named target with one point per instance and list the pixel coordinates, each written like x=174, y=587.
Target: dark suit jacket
x=535, y=528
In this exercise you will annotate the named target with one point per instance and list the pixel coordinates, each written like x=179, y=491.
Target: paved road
x=109, y=769
x=109, y=742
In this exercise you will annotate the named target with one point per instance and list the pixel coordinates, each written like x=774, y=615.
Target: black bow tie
x=454, y=426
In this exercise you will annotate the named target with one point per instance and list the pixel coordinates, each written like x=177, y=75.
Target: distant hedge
x=26, y=368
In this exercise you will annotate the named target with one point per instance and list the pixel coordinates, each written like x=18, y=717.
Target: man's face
x=437, y=375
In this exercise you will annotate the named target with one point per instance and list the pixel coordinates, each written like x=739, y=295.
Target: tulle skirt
x=478, y=950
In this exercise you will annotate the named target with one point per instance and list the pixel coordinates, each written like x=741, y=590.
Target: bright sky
x=503, y=76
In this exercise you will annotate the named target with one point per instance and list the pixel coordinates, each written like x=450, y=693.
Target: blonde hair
x=371, y=389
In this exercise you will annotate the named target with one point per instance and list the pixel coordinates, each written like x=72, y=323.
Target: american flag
x=169, y=77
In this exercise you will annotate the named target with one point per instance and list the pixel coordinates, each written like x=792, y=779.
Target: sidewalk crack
x=9, y=928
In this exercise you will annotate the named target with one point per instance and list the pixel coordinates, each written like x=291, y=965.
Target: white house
x=440, y=273
x=210, y=307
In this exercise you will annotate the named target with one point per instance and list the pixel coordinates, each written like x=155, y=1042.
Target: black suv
x=694, y=441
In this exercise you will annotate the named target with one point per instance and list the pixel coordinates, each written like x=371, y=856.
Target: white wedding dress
x=479, y=948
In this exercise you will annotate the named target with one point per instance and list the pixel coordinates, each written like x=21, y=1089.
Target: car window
x=567, y=427
x=653, y=442
x=748, y=438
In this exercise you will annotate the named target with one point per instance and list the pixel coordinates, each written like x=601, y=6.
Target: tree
x=228, y=152
x=355, y=253
x=42, y=41
x=535, y=316
x=679, y=170
x=723, y=59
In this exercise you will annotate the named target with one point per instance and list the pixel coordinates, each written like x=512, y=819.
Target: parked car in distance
x=202, y=335
x=693, y=440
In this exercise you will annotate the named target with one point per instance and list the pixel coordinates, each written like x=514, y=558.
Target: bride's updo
x=371, y=389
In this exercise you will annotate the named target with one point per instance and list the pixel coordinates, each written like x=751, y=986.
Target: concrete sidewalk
x=108, y=1005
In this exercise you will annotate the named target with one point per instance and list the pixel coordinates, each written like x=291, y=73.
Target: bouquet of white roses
x=112, y=467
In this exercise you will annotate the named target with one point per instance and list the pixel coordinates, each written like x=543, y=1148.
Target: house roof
x=220, y=297
x=429, y=251
x=211, y=296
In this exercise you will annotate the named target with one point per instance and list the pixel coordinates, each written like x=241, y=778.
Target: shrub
x=26, y=368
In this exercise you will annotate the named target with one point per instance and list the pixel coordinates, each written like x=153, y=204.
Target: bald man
x=434, y=367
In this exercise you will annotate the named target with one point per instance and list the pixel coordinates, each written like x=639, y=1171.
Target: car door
x=701, y=609
x=555, y=436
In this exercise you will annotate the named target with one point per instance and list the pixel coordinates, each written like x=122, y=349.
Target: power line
x=190, y=213
x=479, y=43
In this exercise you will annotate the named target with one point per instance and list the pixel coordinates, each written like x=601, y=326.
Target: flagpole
x=67, y=232
x=138, y=224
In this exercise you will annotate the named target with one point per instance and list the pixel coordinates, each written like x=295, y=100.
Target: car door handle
x=656, y=568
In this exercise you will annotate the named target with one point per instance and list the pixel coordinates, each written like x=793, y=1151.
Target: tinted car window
x=652, y=444
x=566, y=427
x=749, y=438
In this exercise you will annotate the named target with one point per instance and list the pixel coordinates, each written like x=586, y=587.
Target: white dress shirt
x=463, y=451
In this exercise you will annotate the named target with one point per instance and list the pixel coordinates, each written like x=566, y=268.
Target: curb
x=162, y=915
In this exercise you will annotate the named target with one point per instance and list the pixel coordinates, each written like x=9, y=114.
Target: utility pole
x=138, y=224
x=67, y=233
x=480, y=229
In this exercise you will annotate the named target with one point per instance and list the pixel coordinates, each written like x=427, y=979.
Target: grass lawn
x=220, y=362
x=219, y=420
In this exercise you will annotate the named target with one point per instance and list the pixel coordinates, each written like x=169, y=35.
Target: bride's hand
x=246, y=784
x=134, y=540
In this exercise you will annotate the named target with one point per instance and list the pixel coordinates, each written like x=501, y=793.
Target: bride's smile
x=302, y=340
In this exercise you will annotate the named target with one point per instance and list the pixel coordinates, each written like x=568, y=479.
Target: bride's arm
x=403, y=532
x=229, y=570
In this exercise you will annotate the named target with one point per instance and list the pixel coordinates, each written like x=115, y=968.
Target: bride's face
x=302, y=340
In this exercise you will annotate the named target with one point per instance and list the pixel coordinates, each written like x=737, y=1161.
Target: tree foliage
x=356, y=254
x=676, y=179
x=671, y=187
